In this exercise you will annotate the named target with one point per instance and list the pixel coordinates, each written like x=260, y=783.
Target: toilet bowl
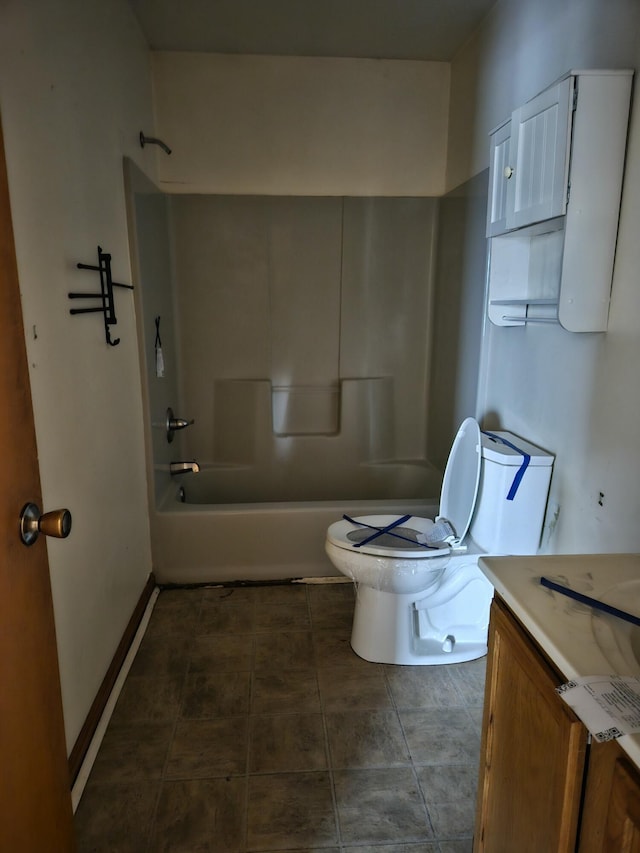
x=421, y=598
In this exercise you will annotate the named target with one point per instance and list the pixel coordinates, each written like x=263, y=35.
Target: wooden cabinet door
x=611, y=822
x=499, y=175
x=533, y=750
x=622, y=828
x=539, y=156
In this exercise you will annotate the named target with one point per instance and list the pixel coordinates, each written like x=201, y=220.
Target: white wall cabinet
x=555, y=183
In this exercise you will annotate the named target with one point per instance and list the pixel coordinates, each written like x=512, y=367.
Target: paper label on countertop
x=608, y=705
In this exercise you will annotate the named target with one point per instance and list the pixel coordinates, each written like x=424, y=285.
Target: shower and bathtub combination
x=296, y=342
x=295, y=332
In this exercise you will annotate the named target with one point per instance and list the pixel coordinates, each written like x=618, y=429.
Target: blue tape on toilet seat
x=382, y=530
x=388, y=530
x=526, y=459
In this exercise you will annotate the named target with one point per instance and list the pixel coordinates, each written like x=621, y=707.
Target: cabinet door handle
x=508, y=171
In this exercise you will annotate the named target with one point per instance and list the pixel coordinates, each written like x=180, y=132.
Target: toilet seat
x=457, y=503
x=344, y=534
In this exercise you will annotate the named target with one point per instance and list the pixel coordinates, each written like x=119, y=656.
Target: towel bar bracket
x=107, y=306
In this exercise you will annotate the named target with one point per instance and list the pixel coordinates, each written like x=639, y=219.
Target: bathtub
x=234, y=525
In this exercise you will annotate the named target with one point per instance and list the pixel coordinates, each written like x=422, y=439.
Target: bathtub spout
x=183, y=467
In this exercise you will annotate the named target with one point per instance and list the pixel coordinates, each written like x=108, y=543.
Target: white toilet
x=420, y=603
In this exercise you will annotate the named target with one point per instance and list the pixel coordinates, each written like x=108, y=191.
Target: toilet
x=421, y=598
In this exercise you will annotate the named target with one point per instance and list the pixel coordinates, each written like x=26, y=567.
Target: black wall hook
x=106, y=294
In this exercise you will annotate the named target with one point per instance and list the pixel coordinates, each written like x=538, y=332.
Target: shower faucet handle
x=179, y=423
x=173, y=424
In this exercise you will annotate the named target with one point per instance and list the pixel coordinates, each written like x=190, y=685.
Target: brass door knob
x=56, y=523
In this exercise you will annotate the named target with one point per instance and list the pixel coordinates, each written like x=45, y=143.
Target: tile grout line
x=411, y=759
x=250, y=715
x=332, y=784
x=163, y=779
x=325, y=731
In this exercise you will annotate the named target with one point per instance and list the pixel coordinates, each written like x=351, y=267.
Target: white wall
x=75, y=91
x=274, y=125
x=576, y=395
x=522, y=47
x=458, y=309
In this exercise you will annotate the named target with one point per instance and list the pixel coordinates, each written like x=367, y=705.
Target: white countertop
x=561, y=626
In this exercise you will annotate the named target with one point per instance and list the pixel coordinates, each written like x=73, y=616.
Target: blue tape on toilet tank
x=526, y=458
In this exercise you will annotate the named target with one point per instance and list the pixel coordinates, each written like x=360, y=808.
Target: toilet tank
x=512, y=498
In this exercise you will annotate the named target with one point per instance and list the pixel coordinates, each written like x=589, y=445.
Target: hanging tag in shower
x=159, y=356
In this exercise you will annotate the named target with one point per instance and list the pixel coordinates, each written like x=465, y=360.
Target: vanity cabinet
x=555, y=182
x=535, y=765
x=533, y=750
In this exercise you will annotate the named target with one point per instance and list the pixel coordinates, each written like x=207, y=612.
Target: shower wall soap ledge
x=306, y=409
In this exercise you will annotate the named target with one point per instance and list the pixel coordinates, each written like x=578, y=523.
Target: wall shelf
x=523, y=301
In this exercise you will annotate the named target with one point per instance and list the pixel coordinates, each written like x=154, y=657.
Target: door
x=623, y=820
x=611, y=813
x=499, y=173
x=539, y=156
x=35, y=800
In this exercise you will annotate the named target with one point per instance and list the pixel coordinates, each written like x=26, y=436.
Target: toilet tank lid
x=503, y=454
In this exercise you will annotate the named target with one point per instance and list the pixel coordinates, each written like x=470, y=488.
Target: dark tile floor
x=247, y=723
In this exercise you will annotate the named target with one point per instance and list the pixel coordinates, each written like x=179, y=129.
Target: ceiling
x=388, y=29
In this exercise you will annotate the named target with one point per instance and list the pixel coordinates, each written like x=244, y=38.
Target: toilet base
x=404, y=629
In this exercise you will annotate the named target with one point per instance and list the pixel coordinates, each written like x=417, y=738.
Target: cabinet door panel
x=611, y=822
x=539, y=155
x=533, y=750
x=623, y=820
x=499, y=175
